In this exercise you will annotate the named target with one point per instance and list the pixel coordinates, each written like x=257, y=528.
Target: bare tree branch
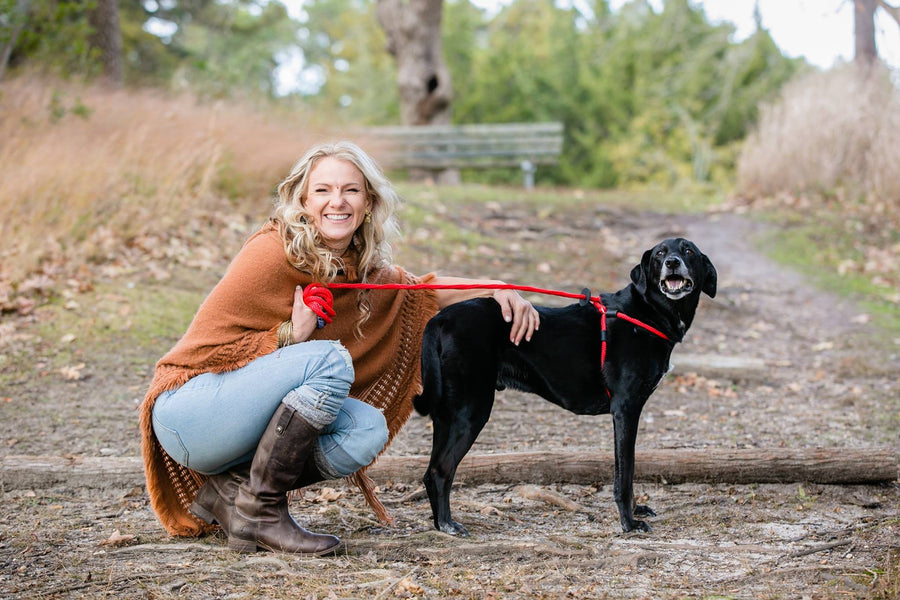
x=894, y=11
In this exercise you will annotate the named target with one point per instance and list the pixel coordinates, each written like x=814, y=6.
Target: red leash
x=320, y=301
x=457, y=286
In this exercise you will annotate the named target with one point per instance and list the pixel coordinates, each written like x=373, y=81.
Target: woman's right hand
x=303, y=319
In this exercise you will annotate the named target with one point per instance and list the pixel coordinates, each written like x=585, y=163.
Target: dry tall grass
x=830, y=132
x=76, y=159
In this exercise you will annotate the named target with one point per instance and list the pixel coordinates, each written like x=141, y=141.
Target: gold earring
x=368, y=216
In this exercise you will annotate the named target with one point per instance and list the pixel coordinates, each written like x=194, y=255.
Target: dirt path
x=823, y=378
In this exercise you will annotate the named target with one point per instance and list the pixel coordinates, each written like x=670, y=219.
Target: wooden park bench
x=438, y=148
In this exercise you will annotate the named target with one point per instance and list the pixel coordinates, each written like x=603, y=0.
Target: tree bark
x=781, y=465
x=107, y=37
x=831, y=466
x=413, y=30
x=20, y=17
x=864, y=32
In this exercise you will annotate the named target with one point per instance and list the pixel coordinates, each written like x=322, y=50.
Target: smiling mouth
x=676, y=285
x=337, y=218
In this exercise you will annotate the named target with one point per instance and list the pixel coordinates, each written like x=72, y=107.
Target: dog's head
x=676, y=269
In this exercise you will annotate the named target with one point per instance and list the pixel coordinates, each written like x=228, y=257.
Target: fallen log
x=739, y=466
x=21, y=472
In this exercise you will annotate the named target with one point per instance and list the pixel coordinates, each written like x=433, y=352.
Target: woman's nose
x=336, y=198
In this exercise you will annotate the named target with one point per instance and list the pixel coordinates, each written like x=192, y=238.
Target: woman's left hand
x=519, y=311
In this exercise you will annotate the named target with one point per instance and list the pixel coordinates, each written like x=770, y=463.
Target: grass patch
x=429, y=220
x=818, y=246
x=442, y=221
x=115, y=325
x=661, y=201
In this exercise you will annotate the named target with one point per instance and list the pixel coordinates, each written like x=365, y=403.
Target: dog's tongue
x=674, y=283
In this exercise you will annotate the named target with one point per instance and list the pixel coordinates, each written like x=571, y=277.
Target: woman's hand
x=303, y=319
x=519, y=311
x=515, y=309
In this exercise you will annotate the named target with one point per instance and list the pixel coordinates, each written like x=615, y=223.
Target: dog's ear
x=710, y=279
x=639, y=273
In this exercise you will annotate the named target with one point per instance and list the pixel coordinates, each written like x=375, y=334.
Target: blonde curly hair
x=372, y=240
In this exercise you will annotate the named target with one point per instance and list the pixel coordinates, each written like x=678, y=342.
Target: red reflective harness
x=320, y=301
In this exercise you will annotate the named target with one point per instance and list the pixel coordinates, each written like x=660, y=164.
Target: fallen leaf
x=408, y=586
x=72, y=372
x=117, y=539
x=328, y=494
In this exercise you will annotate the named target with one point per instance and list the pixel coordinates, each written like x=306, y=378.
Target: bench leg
x=528, y=168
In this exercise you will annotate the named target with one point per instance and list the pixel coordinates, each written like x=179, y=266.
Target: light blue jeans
x=215, y=420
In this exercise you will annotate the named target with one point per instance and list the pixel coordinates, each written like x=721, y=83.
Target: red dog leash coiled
x=320, y=300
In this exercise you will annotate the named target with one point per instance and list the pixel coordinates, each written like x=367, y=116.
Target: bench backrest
x=467, y=146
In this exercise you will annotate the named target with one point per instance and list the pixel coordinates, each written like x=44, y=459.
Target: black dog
x=467, y=354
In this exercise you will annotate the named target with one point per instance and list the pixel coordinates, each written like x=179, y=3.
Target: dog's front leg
x=625, y=426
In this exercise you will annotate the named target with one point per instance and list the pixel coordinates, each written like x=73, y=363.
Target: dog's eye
x=688, y=252
x=660, y=253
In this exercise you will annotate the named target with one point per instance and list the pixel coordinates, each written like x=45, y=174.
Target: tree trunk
x=20, y=17
x=107, y=37
x=864, y=32
x=413, y=30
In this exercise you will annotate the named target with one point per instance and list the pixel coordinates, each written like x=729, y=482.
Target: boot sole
x=251, y=546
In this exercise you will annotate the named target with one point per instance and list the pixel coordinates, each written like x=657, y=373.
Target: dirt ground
x=828, y=378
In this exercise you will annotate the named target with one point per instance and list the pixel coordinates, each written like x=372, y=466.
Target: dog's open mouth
x=676, y=286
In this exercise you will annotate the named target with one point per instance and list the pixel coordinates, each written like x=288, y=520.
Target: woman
x=254, y=400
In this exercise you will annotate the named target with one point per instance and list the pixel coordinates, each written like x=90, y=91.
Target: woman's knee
x=333, y=372
x=360, y=434
x=321, y=395
x=372, y=426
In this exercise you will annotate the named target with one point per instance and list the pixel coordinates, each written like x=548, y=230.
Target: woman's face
x=336, y=200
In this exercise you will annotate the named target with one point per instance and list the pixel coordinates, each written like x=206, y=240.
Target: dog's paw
x=635, y=525
x=642, y=510
x=453, y=528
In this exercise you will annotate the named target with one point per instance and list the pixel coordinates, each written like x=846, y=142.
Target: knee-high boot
x=260, y=518
x=215, y=499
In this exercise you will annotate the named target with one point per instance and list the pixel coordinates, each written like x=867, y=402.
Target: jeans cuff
x=316, y=417
x=326, y=469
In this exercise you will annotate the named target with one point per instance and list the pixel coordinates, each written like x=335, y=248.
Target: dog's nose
x=673, y=262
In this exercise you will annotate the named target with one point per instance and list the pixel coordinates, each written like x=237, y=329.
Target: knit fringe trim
x=172, y=487
x=398, y=413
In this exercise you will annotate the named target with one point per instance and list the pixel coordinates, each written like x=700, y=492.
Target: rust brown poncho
x=238, y=322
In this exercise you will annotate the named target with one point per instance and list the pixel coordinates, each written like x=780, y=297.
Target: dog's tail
x=431, y=372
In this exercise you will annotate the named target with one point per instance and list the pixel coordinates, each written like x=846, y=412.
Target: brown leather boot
x=215, y=499
x=309, y=475
x=260, y=518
